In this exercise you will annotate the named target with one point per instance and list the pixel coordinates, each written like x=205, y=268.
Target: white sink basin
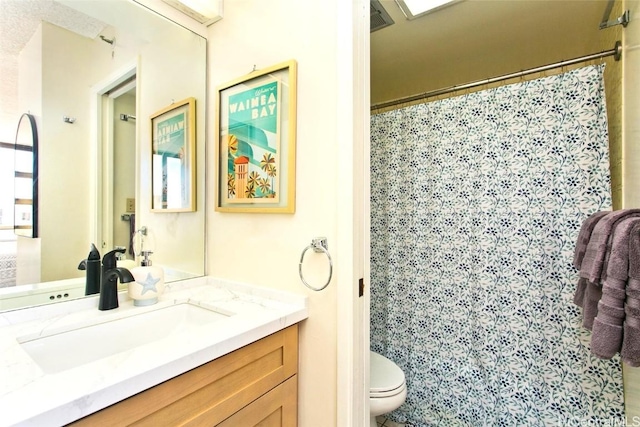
x=87, y=343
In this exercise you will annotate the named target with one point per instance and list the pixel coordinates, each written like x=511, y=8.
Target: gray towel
x=609, y=339
x=631, y=340
x=616, y=260
x=631, y=336
x=631, y=345
x=584, y=235
x=581, y=288
x=581, y=247
x=608, y=331
x=594, y=261
x=592, y=296
x=599, y=244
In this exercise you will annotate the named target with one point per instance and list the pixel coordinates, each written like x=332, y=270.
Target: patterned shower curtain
x=476, y=205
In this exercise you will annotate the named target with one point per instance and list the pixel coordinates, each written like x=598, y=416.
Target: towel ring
x=319, y=244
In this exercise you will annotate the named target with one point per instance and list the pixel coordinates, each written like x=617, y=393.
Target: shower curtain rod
x=616, y=52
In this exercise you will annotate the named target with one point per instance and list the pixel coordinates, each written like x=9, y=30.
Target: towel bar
x=319, y=244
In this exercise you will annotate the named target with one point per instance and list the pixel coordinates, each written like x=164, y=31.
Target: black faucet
x=93, y=267
x=110, y=275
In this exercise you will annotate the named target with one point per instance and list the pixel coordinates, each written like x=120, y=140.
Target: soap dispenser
x=148, y=282
x=93, y=266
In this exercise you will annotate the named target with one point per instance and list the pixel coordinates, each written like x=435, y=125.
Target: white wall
x=265, y=248
x=9, y=115
x=631, y=165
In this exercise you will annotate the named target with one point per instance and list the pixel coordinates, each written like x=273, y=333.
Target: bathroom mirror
x=92, y=73
x=26, y=178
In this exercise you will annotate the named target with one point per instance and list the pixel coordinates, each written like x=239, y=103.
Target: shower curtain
x=476, y=205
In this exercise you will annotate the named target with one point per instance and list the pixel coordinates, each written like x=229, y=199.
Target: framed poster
x=173, y=166
x=256, y=141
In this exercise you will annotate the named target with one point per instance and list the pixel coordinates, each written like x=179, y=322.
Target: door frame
x=101, y=154
x=353, y=117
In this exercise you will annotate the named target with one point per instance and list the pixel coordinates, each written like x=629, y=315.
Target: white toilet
x=388, y=388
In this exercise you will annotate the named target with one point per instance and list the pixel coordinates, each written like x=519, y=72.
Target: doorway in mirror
x=118, y=148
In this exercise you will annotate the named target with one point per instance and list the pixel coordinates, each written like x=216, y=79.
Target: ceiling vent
x=379, y=17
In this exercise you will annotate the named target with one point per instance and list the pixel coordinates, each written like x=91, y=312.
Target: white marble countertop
x=30, y=397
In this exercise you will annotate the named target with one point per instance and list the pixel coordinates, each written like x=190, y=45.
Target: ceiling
x=19, y=19
x=478, y=39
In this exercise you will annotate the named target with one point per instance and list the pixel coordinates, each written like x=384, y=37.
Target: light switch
x=131, y=205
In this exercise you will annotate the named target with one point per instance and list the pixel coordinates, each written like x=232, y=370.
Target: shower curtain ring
x=319, y=244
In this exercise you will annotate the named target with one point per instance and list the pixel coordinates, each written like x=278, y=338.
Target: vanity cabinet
x=256, y=384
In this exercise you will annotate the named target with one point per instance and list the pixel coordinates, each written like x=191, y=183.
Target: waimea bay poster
x=253, y=145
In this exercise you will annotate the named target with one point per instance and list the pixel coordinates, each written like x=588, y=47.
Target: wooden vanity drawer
x=276, y=408
x=211, y=393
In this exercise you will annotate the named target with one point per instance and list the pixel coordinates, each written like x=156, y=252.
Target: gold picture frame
x=173, y=158
x=256, y=141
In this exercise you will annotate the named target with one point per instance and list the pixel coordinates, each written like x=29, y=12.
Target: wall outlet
x=131, y=205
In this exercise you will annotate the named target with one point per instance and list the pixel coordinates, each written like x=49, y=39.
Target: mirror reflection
x=92, y=74
x=25, y=189
x=173, y=135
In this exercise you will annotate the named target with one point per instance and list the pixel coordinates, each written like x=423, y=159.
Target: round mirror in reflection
x=25, y=220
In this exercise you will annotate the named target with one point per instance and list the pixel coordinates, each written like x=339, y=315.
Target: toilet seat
x=386, y=379
x=388, y=393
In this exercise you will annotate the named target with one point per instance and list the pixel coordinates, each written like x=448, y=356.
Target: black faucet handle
x=93, y=256
x=109, y=259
